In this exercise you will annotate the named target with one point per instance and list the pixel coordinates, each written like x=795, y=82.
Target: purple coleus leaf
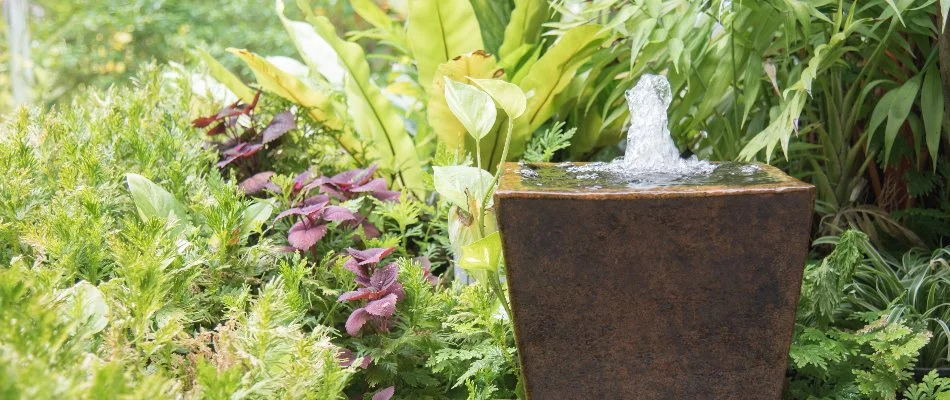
x=306, y=233
x=349, y=184
x=316, y=212
x=241, y=150
x=385, y=394
x=381, y=289
x=281, y=124
x=258, y=183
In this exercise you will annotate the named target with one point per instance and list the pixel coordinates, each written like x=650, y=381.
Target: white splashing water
x=650, y=148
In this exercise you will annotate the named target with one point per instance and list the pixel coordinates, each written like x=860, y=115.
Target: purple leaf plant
x=377, y=285
x=243, y=142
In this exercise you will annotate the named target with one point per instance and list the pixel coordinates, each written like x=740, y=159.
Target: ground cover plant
x=322, y=226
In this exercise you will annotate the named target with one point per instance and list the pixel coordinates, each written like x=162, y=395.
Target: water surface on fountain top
x=652, y=161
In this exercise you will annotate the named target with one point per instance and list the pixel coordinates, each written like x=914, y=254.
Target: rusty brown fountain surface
x=633, y=290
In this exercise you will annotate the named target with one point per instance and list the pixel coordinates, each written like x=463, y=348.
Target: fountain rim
x=510, y=186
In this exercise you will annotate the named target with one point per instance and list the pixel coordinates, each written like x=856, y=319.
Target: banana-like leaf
x=551, y=75
x=314, y=49
x=493, y=16
x=373, y=116
x=525, y=26
x=228, y=79
x=283, y=84
x=450, y=131
x=439, y=31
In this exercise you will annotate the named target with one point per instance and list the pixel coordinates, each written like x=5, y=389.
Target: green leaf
x=482, y=255
x=369, y=11
x=676, y=52
x=931, y=104
x=459, y=185
x=493, y=16
x=153, y=201
x=228, y=79
x=84, y=303
x=255, y=216
x=897, y=114
x=473, y=107
x=314, y=49
x=525, y=26
x=549, y=76
x=440, y=30
x=281, y=83
x=374, y=117
x=450, y=131
x=944, y=9
x=509, y=96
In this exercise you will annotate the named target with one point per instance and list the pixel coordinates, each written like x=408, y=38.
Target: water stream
x=651, y=159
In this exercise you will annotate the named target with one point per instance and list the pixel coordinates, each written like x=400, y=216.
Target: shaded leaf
x=281, y=124
x=450, y=131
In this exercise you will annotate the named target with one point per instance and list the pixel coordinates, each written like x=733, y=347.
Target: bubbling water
x=651, y=153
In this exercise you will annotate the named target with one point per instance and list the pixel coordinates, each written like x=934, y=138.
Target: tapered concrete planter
x=673, y=292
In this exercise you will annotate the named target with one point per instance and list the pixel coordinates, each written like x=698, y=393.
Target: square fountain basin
x=640, y=291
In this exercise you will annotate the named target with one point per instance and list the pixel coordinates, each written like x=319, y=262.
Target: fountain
x=653, y=276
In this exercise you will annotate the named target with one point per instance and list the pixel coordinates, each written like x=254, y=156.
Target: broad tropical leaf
x=439, y=31
x=448, y=128
x=549, y=77
x=283, y=84
x=228, y=79
x=525, y=26
x=373, y=116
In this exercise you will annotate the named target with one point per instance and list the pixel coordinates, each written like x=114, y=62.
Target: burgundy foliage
x=243, y=142
x=376, y=285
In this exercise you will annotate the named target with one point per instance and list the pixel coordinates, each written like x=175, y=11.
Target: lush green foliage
x=132, y=256
x=168, y=287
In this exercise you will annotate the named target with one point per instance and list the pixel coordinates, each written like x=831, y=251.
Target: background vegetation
x=201, y=293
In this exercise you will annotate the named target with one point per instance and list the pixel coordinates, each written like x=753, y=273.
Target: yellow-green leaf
x=439, y=31
x=228, y=79
x=471, y=106
x=549, y=76
x=482, y=255
x=508, y=96
x=374, y=117
x=525, y=26
x=448, y=128
x=281, y=83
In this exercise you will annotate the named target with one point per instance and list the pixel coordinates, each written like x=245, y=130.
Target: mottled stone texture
x=669, y=293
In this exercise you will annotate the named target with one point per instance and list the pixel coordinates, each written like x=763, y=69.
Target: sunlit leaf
x=509, y=96
x=374, y=117
x=455, y=184
x=474, y=108
x=482, y=255
x=525, y=26
x=153, y=201
x=440, y=30
x=228, y=79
